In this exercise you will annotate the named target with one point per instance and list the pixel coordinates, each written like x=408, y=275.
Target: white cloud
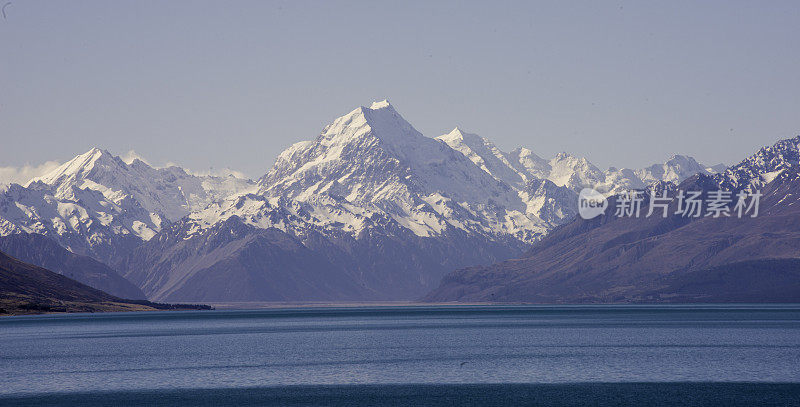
x=21, y=175
x=133, y=155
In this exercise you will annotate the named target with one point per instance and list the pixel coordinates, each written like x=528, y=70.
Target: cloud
x=21, y=175
x=133, y=155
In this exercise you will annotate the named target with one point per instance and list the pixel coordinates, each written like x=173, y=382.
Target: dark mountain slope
x=29, y=289
x=26, y=289
x=44, y=252
x=237, y=262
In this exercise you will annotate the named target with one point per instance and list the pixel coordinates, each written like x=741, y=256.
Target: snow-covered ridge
x=564, y=170
x=763, y=167
x=170, y=192
x=372, y=162
x=373, y=159
x=369, y=169
x=97, y=198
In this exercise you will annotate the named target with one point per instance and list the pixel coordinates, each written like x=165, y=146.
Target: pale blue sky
x=232, y=84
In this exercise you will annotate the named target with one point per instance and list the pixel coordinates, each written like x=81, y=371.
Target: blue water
x=380, y=350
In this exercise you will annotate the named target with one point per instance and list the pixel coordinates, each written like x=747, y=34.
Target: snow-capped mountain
x=97, y=204
x=663, y=259
x=372, y=163
x=171, y=191
x=550, y=187
x=565, y=170
x=522, y=165
x=382, y=206
x=762, y=167
x=523, y=171
x=488, y=157
x=675, y=170
x=386, y=210
x=371, y=195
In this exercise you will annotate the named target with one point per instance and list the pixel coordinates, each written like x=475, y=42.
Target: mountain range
x=98, y=205
x=663, y=259
x=370, y=209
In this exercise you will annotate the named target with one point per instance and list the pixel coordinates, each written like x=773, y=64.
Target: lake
x=407, y=355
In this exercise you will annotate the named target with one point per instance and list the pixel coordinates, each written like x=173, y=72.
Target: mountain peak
x=524, y=152
x=563, y=155
x=94, y=154
x=684, y=159
x=458, y=134
x=383, y=104
x=78, y=166
x=380, y=120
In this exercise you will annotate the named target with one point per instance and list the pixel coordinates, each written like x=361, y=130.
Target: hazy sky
x=231, y=84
